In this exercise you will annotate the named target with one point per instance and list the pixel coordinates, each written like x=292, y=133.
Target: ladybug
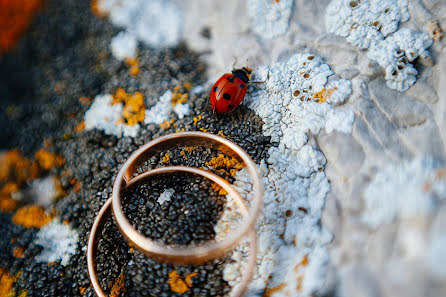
x=229, y=90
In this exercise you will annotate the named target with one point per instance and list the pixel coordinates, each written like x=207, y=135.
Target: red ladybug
x=229, y=91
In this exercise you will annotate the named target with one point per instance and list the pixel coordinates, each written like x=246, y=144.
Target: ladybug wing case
x=227, y=93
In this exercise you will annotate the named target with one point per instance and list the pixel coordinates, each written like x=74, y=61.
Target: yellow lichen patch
x=203, y=130
x=273, y=290
x=219, y=189
x=134, y=110
x=17, y=252
x=22, y=293
x=118, y=286
x=166, y=158
x=177, y=284
x=220, y=133
x=79, y=127
x=166, y=124
x=179, y=98
x=31, y=216
x=229, y=166
x=323, y=95
x=134, y=66
x=48, y=160
x=197, y=119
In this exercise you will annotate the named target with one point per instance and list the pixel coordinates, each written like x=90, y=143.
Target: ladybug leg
x=257, y=82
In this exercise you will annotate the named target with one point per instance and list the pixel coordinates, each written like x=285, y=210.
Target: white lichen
x=373, y=25
x=288, y=101
x=123, y=46
x=293, y=99
x=157, y=23
x=404, y=190
x=165, y=196
x=396, y=52
x=365, y=21
x=161, y=111
x=44, y=191
x=269, y=19
x=59, y=243
x=103, y=115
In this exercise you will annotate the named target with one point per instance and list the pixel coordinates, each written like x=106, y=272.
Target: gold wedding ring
x=184, y=255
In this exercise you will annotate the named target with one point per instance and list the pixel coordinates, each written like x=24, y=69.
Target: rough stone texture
x=398, y=259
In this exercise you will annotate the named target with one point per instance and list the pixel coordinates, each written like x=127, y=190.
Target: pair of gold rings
x=184, y=255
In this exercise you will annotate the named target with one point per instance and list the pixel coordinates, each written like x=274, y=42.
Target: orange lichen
x=7, y=203
x=203, y=130
x=134, y=66
x=273, y=290
x=434, y=30
x=300, y=278
x=31, y=216
x=166, y=124
x=15, y=16
x=118, y=286
x=85, y=100
x=219, y=189
x=96, y=10
x=134, y=110
x=229, y=166
x=302, y=263
x=15, y=167
x=177, y=284
x=197, y=119
x=17, y=252
x=82, y=290
x=189, y=277
x=79, y=127
x=166, y=158
x=6, y=282
x=323, y=95
x=48, y=160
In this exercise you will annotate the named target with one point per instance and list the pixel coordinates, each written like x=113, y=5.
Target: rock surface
x=395, y=147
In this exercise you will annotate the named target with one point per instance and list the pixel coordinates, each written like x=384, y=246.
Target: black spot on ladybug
x=231, y=79
x=215, y=89
x=230, y=106
x=226, y=96
x=242, y=86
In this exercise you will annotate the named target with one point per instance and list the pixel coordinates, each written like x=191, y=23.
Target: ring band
x=105, y=212
x=203, y=252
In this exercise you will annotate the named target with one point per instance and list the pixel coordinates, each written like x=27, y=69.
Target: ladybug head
x=243, y=73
